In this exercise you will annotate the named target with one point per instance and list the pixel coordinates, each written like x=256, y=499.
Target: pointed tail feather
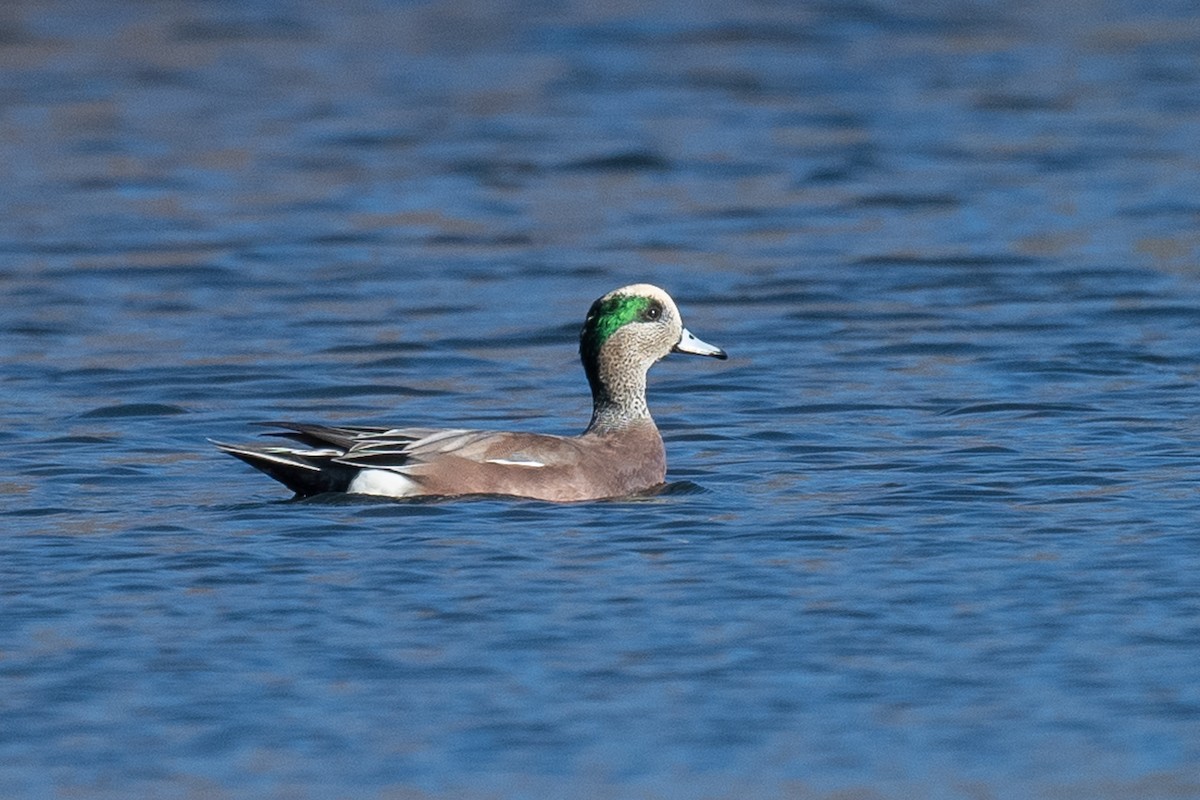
x=304, y=472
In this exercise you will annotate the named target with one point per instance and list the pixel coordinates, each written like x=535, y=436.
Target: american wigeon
x=619, y=454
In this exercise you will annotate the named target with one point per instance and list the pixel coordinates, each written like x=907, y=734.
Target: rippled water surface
x=933, y=531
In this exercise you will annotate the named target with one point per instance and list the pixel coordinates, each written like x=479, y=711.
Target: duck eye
x=653, y=312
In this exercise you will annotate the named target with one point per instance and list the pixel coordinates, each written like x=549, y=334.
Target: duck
x=619, y=454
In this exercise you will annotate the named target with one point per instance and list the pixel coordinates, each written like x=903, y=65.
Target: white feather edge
x=278, y=454
x=515, y=462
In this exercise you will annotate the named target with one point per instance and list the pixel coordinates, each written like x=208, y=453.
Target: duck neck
x=618, y=395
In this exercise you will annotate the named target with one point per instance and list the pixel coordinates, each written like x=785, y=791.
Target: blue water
x=933, y=531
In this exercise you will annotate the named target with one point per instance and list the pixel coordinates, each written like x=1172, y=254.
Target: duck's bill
x=690, y=344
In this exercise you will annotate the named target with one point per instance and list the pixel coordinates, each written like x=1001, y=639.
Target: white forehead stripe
x=645, y=290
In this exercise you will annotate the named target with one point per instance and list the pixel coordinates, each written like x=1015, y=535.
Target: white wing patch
x=517, y=461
